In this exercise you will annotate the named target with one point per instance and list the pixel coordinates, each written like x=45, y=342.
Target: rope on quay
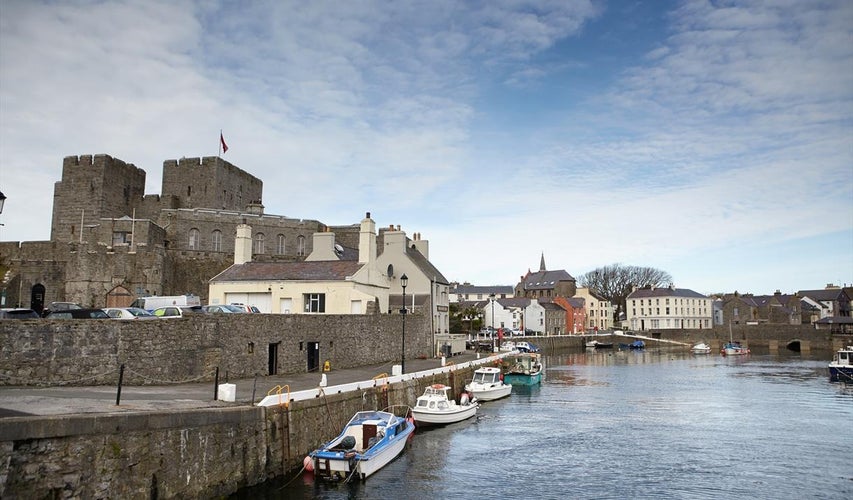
x=53, y=383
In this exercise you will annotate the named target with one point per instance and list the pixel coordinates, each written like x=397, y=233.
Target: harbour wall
x=203, y=453
x=161, y=352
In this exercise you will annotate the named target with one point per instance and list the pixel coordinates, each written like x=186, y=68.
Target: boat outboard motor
x=348, y=442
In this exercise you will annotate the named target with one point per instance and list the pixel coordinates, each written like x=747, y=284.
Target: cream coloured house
x=331, y=280
x=427, y=291
x=599, y=311
x=668, y=308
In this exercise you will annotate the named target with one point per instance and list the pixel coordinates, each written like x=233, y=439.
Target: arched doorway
x=37, y=298
x=119, y=297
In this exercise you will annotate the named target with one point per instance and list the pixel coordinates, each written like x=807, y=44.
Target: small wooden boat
x=435, y=407
x=368, y=442
x=488, y=385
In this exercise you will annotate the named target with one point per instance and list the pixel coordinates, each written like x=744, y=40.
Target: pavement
x=20, y=401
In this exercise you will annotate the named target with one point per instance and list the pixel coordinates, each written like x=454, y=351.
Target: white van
x=151, y=303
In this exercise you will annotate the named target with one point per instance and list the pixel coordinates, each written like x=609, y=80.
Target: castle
x=110, y=242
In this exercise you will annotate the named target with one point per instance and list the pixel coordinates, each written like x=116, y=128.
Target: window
x=194, y=239
x=121, y=238
x=315, y=302
x=259, y=243
x=279, y=246
x=216, y=237
x=300, y=245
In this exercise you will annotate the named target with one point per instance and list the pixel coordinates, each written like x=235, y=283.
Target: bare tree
x=616, y=281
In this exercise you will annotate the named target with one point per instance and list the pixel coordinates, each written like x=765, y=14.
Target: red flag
x=222, y=141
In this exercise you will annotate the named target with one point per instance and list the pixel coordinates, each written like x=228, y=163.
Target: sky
x=712, y=140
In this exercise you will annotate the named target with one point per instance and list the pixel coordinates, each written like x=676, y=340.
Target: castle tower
x=211, y=182
x=93, y=188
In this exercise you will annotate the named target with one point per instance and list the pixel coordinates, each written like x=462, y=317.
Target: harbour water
x=659, y=423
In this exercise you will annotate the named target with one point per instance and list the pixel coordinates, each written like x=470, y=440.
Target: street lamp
x=404, y=280
x=492, y=298
x=2, y=201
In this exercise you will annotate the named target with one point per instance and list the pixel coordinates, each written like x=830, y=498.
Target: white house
x=668, y=308
x=331, y=280
x=517, y=313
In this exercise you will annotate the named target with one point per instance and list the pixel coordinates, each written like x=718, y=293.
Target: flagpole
x=219, y=151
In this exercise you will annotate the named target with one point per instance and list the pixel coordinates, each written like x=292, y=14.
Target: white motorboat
x=701, y=348
x=367, y=443
x=435, y=407
x=487, y=384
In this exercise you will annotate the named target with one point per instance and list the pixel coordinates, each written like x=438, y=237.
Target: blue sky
x=712, y=140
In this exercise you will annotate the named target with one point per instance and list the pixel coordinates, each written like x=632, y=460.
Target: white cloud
x=734, y=128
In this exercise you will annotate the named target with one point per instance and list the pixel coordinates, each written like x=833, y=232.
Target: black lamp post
x=404, y=280
x=492, y=298
x=2, y=201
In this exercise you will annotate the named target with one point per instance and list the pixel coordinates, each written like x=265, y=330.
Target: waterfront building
x=668, y=308
x=599, y=310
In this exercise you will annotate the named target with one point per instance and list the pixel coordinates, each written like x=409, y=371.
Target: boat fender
x=308, y=463
x=463, y=399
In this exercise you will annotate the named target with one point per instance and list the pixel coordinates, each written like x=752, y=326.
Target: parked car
x=78, y=314
x=177, y=311
x=18, y=313
x=60, y=306
x=223, y=308
x=246, y=308
x=128, y=313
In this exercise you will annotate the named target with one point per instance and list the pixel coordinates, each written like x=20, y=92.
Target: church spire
x=542, y=262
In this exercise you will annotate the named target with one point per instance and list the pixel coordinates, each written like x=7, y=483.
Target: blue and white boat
x=637, y=344
x=524, y=368
x=841, y=367
x=526, y=347
x=367, y=443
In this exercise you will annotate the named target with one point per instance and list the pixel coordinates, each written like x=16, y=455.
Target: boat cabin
x=487, y=376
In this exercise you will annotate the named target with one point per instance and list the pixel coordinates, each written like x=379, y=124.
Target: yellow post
x=327, y=366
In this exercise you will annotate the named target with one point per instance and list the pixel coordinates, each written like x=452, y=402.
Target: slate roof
x=514, y=302
x=820, y=295
x=332, y=270
x=485, y=290
x=425, y=265
x=643, y=293
x=545, y=280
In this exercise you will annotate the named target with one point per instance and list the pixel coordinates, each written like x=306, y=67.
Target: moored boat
x=734, y=349
x=594, y=344
x=701, y=348
x=525, y=347
x=637, y=344
x=841, y=366
x=368, y=442
x=435, y=407
x=524, y=368
x=487, y=384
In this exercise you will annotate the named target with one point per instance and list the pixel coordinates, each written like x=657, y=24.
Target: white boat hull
x=367, y=467
x=458, y=414
x=489, y=392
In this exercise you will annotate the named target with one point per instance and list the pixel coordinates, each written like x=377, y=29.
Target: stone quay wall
x=204, y=453
x=165, y=351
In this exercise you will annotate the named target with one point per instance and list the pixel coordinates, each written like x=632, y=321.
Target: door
x=313, y=354
x=37, y=298
x=273, y=359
